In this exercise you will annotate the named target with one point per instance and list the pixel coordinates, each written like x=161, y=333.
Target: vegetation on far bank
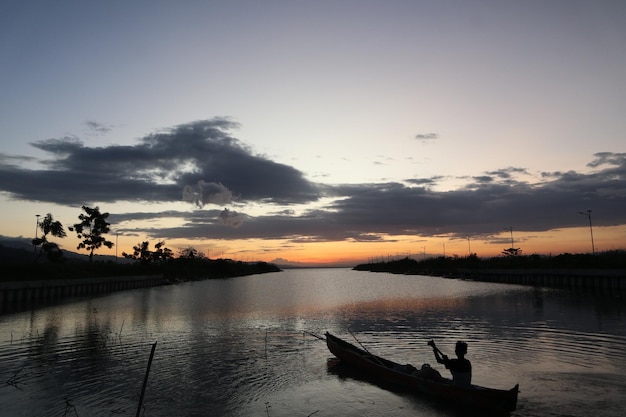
x=19, y=264
x=174, y=269
x=449, y=265
x=48, y=261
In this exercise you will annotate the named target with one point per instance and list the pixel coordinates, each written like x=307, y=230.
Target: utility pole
x=510, y=229
x=36, y=229
x=588, y=214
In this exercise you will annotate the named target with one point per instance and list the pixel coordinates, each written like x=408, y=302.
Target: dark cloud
x=202, y=164
x=483, y=179
x=231, y=218
x=507, y=173
x=371, y=212
x=425, y=181
x=608, y=158
x=198, y=160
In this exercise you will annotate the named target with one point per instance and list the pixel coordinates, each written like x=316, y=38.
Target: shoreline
x=26, y=294
x=592, y=279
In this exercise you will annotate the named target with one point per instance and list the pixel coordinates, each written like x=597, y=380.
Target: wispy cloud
x=424, y=137
x=98, y=128
x=15, y=159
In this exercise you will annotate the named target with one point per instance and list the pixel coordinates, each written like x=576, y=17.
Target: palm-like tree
x=52, y=227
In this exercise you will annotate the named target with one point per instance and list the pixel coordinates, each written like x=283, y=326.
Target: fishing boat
x=425, y=381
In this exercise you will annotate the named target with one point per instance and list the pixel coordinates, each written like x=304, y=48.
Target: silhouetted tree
x=143, y=254
x=49, y=226
x=92, y=226
x=512, y=252
x=161, y=253
x=190, y=253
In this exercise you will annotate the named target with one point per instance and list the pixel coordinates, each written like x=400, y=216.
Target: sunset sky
x=318, y=131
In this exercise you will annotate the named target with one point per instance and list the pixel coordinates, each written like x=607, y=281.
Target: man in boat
x=460, y=367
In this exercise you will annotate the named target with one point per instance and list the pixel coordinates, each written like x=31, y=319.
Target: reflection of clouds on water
x=228, y=347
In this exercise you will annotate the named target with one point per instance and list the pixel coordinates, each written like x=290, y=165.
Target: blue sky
x=301, y=110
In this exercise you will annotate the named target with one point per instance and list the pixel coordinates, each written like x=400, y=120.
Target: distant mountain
x=21, y=249
x=16, y=255
x=286, y=264
x=16, y=242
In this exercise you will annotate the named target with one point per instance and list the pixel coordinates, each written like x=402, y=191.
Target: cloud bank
x=198, y=160
x=202, y=164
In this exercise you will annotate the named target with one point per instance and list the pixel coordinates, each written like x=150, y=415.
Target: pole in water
x=145, y=380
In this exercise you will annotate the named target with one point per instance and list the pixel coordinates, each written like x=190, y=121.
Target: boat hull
x=494, y=400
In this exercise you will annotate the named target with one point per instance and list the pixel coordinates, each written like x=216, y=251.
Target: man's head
x=460, y=349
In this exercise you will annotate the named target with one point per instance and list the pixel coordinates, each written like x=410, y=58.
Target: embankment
x=586, y=279
x=20, y=295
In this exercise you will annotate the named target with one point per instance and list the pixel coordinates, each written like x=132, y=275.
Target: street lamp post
x=36, y=224
x=36, y=230
x=510, y=229
x=588, y=214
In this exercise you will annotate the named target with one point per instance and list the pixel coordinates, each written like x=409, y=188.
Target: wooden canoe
x=407, y=376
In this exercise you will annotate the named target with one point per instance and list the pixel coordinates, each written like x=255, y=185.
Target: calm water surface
x=238, y=347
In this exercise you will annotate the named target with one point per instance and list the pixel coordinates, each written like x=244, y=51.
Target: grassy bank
x=451, y=265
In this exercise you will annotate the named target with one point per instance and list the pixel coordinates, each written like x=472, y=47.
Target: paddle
x=431, y=343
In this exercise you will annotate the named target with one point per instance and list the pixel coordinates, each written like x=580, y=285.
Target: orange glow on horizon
x=554, y=242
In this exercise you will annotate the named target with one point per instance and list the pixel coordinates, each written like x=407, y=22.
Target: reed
x=69, y=407
x=14, y=380
x=145, y=380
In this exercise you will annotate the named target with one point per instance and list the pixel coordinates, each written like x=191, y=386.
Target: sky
x=318, y=132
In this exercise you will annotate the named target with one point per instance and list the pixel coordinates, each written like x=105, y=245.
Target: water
x=237, y=347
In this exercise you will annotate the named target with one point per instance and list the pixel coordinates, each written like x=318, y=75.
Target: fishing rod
x=315, y=335
x=376, y=358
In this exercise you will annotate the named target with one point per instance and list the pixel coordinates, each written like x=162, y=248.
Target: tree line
x=443, y=265
x=91, y=230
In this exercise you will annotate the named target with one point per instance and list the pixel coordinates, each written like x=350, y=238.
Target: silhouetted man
x=460, y=368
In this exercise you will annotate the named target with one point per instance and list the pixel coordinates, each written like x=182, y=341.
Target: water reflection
x=238, y=347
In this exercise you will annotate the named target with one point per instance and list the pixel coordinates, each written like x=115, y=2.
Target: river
x=241, y=347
